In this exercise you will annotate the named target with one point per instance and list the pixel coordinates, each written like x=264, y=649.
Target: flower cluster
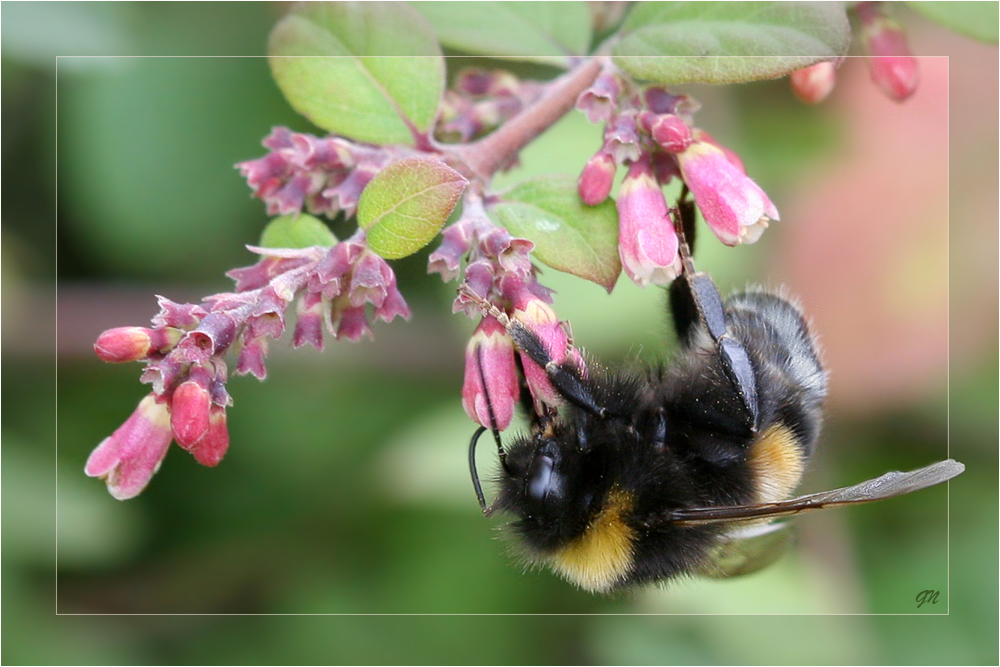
x=480, y=100
x=651, y=133
x=323, y=175
x=341, y=289
x=499, y=283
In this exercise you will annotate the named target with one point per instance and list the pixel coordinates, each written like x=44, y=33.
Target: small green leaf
x=568, y=235
x=978, y=20
x=369, y=71
x=406, y=204
x=546, y=32
x=296, y=231
x=729, y=42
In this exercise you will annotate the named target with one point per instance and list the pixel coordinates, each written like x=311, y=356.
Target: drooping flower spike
x=341, y=289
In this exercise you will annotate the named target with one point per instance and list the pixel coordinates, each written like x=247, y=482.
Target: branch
x=485, y=157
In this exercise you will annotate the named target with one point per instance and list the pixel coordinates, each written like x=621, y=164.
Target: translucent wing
x=747, y=549
x=889, y=485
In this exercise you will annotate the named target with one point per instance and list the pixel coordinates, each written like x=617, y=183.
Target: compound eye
x=543, y=482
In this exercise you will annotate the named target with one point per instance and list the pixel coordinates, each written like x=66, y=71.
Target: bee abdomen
x=789, y=372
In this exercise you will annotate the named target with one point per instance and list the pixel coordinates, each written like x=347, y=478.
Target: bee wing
x=889, y=485
x=748, y=548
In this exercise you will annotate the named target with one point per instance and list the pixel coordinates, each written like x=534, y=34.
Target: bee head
x=553, y=486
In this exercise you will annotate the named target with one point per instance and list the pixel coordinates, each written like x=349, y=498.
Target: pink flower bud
x=734, y=207
x=813, y=84
x=490, y=375
x=647, y=243
x=129, y=458
x=123, y=344
x=896, y=76
x=212, y=447
x=597, y=178
x=189, y=407
x=892, y=67
x=670, y=132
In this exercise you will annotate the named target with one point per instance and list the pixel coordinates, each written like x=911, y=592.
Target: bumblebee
x=644, y=476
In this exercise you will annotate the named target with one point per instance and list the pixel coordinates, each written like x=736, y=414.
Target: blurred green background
x=345, y=490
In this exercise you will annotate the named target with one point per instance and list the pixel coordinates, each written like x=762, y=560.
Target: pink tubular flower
x=597, y=178
x=892, y=66
x=813, y=84
x=647, y=243
x=491, y=382
x=734, y=207
x=129, y=458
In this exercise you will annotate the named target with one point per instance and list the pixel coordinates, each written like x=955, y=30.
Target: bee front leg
x=564, y=376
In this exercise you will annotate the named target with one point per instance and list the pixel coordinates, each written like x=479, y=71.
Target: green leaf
x=332, y=62
x=568, y=235
x=296, y=231
x=407, y=203
x=546, y=32
x=729, y=42
x=978, y=20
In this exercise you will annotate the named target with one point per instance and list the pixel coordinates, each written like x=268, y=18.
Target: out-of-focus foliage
x=346, y=489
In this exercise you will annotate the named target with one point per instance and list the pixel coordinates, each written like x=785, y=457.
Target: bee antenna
x=475, y=476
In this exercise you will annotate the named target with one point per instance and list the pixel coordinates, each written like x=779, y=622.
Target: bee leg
x=695, y=300
x=539, y=415
x=565, y=376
